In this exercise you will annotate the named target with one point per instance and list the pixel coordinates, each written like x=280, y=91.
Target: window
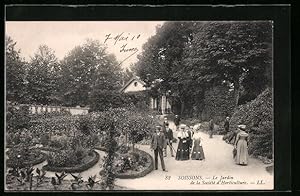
x=135, y=83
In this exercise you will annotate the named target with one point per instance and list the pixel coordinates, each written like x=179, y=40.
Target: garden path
x=219, y=162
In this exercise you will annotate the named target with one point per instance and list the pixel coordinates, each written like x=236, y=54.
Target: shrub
x=21, y=156
x=257, y=115
x=44, y=139
x=80, y=167
x=17, y=117
x=140, y=164
x=67, y=157
x=123, y=149
x=105, y=100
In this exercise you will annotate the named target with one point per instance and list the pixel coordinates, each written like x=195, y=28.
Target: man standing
x=177, y=122
x=165, y=133
x=226, y=125
x=169, y=137
x=211, y=128
x=158, y=143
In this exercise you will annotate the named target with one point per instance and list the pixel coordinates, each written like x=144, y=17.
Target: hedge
x=134, y=174
x=77, y=168
x=257, y=115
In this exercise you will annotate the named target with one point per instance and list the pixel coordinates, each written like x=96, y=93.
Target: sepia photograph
x=139, y=105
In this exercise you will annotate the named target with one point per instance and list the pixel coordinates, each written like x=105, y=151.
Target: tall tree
x=43, y=75
x=236, y=52
x=161, y=60
x=15, y=72
x=86, y=69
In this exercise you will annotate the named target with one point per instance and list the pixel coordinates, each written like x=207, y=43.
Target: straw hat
x=242, y=127
x=196, y=127
x=182, y=126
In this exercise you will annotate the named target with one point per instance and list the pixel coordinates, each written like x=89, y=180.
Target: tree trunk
x=236, y=92
x=133, y=146
x=182, y=107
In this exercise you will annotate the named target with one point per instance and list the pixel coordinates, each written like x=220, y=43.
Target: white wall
x=132, y=88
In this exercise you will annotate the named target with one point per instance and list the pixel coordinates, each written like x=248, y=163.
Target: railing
x=38, y=109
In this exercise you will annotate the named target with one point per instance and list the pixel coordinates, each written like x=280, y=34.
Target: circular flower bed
x=135, y=164
x=87, y=162
x=18, y=158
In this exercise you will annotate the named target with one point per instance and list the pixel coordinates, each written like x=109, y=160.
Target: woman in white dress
x=241, y=146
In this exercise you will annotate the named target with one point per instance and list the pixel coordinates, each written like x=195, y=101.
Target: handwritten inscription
x=123, y=39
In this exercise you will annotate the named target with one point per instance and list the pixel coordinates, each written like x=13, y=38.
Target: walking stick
x=173, y=149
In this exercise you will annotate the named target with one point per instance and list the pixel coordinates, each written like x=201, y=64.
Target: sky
x=63, y=36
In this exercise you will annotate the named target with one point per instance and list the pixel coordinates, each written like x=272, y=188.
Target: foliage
x=85, y=69
x=161, y=60
x=43, y=77
x=17, y=118
x=21, y=156
x=188, y=58
x=257, y=115
x=15, y=72
x=218, y=103
x=139, y=164
x=68, y=157
x=87, y=162
x=108, y=172
x=55, y=126
x=106, y=99
x=232, y=52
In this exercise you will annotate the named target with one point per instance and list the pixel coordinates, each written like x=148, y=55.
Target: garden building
x=160, y=103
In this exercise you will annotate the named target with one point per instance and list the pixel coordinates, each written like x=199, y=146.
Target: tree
x=43, y=76
x=15, y=72
x=190, y=58
x=87, y=69
x=161, y=60
x=236, y=52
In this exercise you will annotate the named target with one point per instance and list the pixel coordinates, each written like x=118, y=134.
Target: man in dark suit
x=177, y=121
x=158, y=143
x=164, y=131
x=169, y=137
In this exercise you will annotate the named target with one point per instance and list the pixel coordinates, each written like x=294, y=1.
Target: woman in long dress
x=183, y=150
x=197, y=149
x=241, y=145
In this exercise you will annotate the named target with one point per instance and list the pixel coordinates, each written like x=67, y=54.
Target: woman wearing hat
x=197, y=150
x=183, y=149
x=241, y=145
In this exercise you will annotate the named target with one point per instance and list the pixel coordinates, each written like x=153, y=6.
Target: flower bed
x=146, y=169
x=130, y=174
x=93, y=158
x=36, y=157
